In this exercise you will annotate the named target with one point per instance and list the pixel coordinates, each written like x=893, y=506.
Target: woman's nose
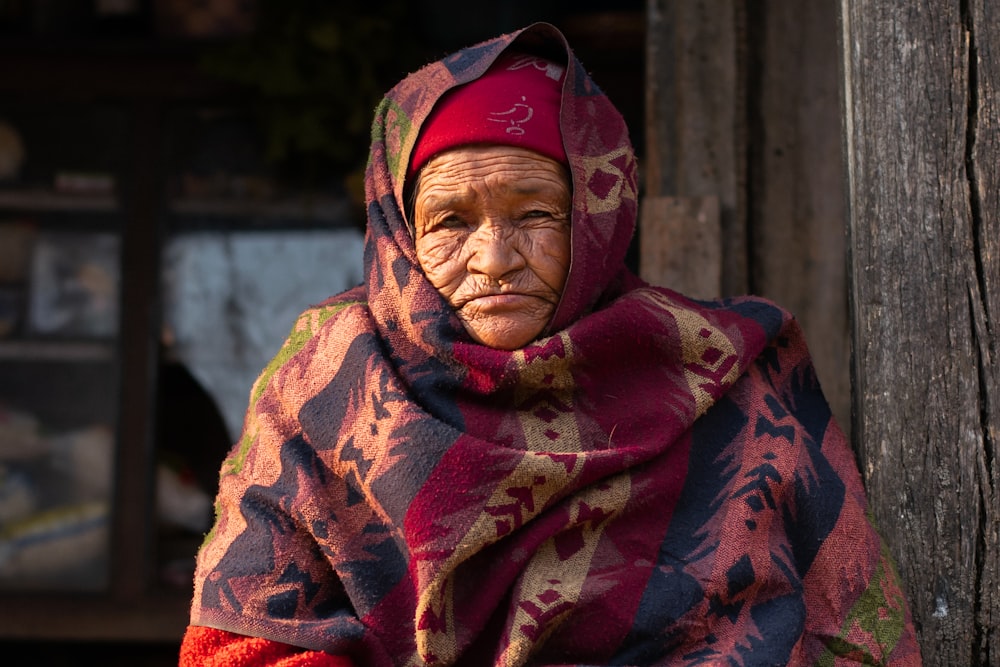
x=494, y=252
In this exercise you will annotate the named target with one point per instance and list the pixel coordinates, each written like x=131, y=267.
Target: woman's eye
x=545, y=217
x=450, y=222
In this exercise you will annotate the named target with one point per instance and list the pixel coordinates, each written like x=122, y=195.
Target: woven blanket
x=655, y=481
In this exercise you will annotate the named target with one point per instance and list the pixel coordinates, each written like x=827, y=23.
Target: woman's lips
x=506, y=301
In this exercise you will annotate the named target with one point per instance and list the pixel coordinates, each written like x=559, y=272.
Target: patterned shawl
x=655, y=481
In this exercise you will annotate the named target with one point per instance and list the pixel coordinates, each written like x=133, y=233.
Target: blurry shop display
x=55, y=495
x=74, y=285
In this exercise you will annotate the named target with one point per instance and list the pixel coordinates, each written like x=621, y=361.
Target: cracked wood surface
x=920, y=100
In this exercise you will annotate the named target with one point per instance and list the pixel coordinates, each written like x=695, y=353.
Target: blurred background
x=178, y=179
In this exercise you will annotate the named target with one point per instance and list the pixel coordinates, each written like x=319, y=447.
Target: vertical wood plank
x=982, y=25
x=919, y=81
x=694, y=122
x=797, y=219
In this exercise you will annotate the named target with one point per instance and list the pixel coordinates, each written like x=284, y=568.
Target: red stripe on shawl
x=463, y=483
x=628, y=552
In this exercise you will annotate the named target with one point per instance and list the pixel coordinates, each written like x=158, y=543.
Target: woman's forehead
x=513, y=169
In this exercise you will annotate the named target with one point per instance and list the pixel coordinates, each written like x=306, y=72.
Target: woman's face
x=492, y=228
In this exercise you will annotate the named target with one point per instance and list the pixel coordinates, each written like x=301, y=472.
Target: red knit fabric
x=516, y=103
x=208, y=647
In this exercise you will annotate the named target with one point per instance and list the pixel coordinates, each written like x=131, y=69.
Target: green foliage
x=318, y=69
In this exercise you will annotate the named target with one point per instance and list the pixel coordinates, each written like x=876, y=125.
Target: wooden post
x=921, y=84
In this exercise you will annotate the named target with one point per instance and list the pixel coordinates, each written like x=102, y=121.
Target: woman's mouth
x=504, y=301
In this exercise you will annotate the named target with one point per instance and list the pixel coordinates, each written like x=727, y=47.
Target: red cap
x=515, y=103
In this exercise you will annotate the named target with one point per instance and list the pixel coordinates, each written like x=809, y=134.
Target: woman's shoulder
x=352, y=303
x=769, y=315
x=316, y=336
x=356, y=297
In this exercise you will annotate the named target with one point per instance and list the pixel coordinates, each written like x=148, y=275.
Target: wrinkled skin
x=492, y=227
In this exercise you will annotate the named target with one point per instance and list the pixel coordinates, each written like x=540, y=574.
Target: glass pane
x=60, y=260
x=56, y=468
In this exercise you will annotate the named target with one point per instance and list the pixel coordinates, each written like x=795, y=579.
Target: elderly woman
x=505, y=449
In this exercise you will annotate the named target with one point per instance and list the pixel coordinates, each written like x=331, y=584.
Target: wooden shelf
x=305, y=208
x=70, y=351
x=51, y=200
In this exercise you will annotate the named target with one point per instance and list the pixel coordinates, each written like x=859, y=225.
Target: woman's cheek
x=442, y=263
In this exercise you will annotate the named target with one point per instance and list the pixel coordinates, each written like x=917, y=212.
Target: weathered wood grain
x=920, y=83
x=682, y=244
x=694, y=119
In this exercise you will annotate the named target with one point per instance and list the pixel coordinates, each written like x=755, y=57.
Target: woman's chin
x=503, y=333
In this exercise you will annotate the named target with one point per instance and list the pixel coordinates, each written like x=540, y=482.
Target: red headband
x=515, y=103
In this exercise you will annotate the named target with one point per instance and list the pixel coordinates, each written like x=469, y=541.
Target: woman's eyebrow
x=545, y=189
x=446, y=200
